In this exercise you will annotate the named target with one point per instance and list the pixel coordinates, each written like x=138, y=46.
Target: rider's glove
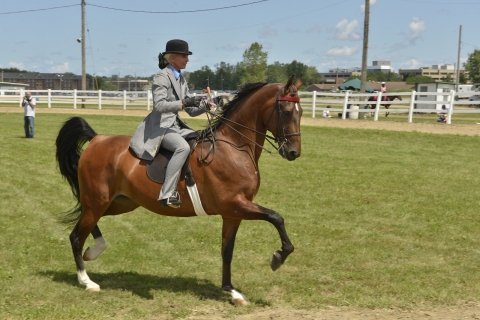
x=192, y=101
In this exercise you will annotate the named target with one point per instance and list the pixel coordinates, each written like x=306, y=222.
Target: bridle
x=280, y=136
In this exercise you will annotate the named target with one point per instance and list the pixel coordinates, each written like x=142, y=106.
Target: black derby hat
x=177, y=46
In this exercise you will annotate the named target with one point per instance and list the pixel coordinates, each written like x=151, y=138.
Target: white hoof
x=84, y=280
x=238, y=299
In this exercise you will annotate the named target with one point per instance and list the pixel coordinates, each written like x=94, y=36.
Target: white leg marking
x=84, y=280
x=238, y=299
x=93, y=253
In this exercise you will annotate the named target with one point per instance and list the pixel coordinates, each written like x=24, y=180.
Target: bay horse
x=108, y=179
x=384, y=98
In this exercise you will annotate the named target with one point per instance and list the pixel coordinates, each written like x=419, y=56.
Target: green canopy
x=354, y=84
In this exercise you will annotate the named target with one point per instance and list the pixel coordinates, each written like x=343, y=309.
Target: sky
x=125, y=37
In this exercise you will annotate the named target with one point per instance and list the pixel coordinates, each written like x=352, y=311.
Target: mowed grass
x=379, y=219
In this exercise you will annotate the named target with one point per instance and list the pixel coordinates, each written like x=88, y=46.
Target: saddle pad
x=157, y=167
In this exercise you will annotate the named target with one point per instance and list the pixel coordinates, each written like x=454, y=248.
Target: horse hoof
x=238, y=298
x=93, y=289
x=276, y=261
x=239, y=302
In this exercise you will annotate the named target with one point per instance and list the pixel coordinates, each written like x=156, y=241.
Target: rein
x=209, y=134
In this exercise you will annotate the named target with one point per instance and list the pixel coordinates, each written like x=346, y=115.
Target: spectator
x=443, y=115
x=326, y=113
x=29, y=115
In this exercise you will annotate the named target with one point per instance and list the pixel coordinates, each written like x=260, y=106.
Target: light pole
x=208, y=81
x=60, y=77
x=221, y=83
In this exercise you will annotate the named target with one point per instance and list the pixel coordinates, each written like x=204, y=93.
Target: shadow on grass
x=142, y=284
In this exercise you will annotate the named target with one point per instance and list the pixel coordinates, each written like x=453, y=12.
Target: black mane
x=233, y=105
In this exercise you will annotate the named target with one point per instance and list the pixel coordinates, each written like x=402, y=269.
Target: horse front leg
x=387, y=113
x=229, y=232
x=279, y=256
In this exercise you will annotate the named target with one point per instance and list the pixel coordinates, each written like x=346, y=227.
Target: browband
x=288, y=98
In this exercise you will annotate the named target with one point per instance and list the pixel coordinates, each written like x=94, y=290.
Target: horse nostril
x=293, y=154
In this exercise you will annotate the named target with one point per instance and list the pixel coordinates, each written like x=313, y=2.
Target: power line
x=471, y=44
x=175, y=12
x=34, y=10
x=230, y=29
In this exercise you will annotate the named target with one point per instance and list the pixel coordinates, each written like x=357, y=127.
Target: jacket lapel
x=175, y=84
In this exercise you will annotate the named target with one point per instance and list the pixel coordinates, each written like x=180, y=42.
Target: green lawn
x=379, y=219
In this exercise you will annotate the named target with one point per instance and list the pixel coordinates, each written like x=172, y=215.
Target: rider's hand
x=192, y=101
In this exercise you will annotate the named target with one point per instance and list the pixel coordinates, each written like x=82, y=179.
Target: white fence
x=409, y=99
x=313, y=101
x=98, y=99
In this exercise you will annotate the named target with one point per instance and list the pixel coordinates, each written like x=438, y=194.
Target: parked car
x=474, y=98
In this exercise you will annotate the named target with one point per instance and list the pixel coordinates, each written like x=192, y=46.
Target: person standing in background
x=29, y=114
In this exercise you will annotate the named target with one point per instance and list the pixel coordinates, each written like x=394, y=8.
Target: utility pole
x=84, y=75
x=457, y=80
x=365, y=47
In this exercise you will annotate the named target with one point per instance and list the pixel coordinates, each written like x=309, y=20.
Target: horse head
x=286, y=124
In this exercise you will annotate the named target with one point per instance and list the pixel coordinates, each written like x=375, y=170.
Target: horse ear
x=286, y=89
x=299, y=82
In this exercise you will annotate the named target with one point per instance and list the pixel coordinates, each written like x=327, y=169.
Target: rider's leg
x=174, y=142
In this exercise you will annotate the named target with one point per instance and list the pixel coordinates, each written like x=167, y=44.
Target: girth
x=157, y=167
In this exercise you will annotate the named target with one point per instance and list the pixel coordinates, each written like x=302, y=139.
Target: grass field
x=379, y=219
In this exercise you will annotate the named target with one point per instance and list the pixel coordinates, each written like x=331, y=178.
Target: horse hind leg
x=120, y=204
x=77, y=240
x=229, y=232
x=92, y=253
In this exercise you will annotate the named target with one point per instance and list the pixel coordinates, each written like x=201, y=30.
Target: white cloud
x=315, y=29
x=17, y=65
x=342, y=51
x=123, y=45
x=60, y=68
x=346, y=30
x=240, y=46
x=417, y=27
x=267, y=32
x=372, y=2
x=410, y=64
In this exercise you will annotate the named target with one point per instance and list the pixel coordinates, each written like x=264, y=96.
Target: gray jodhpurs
x=174, y=142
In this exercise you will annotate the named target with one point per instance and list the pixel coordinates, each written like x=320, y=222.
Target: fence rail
x=75, y=97
x=347, y=102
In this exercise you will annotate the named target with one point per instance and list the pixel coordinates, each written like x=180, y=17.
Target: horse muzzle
x=289, y=153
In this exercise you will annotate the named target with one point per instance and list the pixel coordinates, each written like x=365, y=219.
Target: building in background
x=380, y=66
x=438, y=72
x=44, y=81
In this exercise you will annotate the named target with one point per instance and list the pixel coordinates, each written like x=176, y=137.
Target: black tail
x=74, y=133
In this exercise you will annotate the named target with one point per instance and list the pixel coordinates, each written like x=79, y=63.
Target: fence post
x=149, y=92
x=124, y=99
x=314, y=103
x=75, y=98
x=345, y=102
x=22, y=94
x=377, y=106
x=99, y=99
x=412, y=104
x=450, y=110
x=49, y=97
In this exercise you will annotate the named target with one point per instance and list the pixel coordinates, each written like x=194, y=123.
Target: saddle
x=157, y=167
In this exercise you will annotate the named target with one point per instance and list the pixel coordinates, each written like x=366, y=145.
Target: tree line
x=254, y=68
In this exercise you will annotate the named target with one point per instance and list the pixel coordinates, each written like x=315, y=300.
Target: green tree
x=277, y=73
x=253, y=67
x=412, y=79
x=225, y=76
x=309, y=74
x=200, y=79
x=472, y=66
